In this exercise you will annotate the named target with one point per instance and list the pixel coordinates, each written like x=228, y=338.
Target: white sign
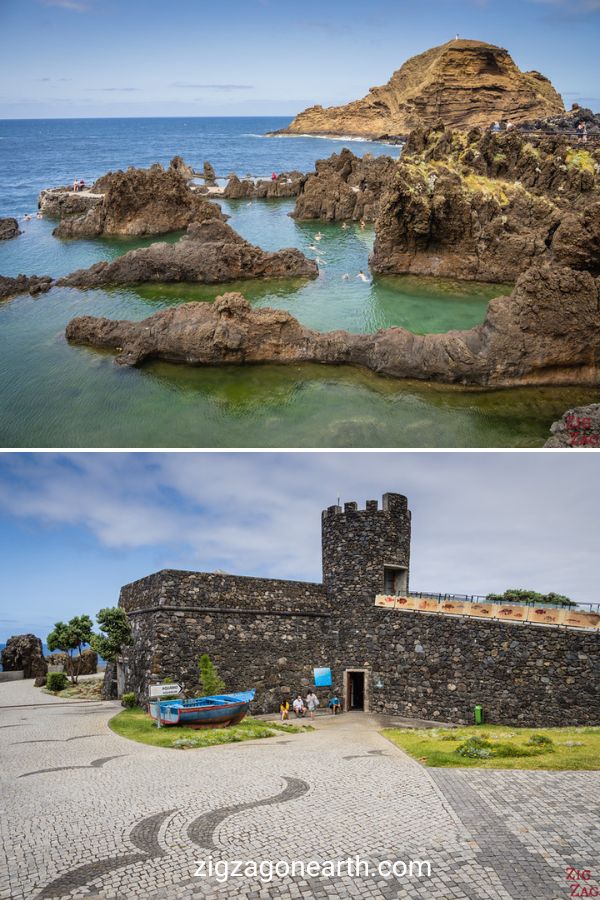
x=164, y=690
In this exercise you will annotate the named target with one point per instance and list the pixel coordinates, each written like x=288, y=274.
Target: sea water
x=54, y=394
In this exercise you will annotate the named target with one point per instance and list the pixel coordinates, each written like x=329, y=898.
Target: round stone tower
x=366, y=551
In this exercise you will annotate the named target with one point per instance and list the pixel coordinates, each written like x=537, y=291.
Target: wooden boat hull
x=205, y=712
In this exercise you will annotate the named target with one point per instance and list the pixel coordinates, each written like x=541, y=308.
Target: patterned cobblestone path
x=108, y=818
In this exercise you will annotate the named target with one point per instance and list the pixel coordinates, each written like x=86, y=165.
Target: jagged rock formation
x=546, y=332
x=461, y=83
x=134, y=202
x=210, y=176
x=23, y=284
x=87, y=664
x=484, y=206
x=578, y=427
x=566, y=122
x=344, y=187
x=23, y=652
x=287, y=184
x=9, y=228
x=210, y=252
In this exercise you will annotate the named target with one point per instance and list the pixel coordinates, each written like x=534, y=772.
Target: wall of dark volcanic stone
x=260, y=633
x=439, y=667
x=270, y=634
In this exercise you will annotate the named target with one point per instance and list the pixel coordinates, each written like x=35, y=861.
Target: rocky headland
x=210, y=252
x=134, y=202
x=546, y=332
x=485, y=206
x=9, y=228
x=461, y=84
x=344, y=187
x=24, y=284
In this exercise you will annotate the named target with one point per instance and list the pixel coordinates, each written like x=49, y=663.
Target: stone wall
x=260, y=633
x=439, y=667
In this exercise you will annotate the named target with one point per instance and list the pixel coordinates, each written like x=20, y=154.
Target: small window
x=395, y=580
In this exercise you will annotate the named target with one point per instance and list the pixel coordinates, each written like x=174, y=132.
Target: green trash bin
x=479, y=715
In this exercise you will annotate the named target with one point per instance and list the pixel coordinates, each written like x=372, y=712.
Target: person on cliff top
x=273, y=176
x=298, y=706
x=312, y=702
x=284, y=710
x=582, y=131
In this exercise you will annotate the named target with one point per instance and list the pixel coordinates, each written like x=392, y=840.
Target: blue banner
x=322, y=677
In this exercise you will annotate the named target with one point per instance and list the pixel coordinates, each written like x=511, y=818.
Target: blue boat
x=203, y=712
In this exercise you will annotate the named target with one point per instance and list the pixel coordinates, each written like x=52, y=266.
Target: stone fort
x=270, y=634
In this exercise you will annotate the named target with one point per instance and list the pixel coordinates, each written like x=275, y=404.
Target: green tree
x=114, y=635
x=210, y=683
x=70, y=637
x=520, y=595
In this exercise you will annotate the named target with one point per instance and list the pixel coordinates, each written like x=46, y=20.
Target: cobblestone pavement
x=99, y=816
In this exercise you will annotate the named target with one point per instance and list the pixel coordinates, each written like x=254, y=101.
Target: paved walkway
x=87, y=813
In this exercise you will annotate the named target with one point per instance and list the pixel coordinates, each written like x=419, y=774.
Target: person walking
x=312, y=703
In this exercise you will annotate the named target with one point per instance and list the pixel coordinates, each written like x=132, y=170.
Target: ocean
x=56, y=395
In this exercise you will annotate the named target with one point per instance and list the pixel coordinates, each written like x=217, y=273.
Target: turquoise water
x=58, y=395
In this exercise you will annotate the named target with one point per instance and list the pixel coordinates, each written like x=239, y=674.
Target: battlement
x=390, y=503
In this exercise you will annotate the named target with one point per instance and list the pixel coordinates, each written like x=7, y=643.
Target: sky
x=73, y=58
x=75, y=527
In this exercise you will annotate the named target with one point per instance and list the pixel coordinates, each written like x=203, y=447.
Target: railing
x=479, y=598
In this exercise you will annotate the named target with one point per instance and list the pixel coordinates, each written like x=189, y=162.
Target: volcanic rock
x=9, y=228
x=87, y=664
x=135, y=202
x=210, y=176
x=461, y=83
x=484, y=206
x=22, y=284
x=567, y=122
x=180, y=166
x=287, y=184
x=546, y=332
x=344, y=187
x=578, y=427
x=210, y=252
x=23, y=652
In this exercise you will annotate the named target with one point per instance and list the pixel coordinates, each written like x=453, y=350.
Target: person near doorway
x=334, y=705
x=312, y=703
x=298, y=707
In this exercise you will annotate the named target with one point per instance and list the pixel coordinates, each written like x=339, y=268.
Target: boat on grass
x=203, y=712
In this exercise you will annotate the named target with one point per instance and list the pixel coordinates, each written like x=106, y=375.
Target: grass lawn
x=503, y=747
x=137, y=725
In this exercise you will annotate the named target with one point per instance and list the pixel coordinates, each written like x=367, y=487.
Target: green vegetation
x=210, y=683
x=128, y=700
x=69, y=637
x=90, y=689
x=519, y=595
x=580, y=159
x=137, y=725
x=115, y=633
x=56, y=681
x=501, y=747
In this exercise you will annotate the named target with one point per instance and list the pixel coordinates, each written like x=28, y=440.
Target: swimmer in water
x=362, y=224
x=344, y=225
x=318, y=236
x=345, y=277
x=361, y=275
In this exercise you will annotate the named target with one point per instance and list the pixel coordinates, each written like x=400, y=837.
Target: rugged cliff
x=482, y=206
x=461, y=83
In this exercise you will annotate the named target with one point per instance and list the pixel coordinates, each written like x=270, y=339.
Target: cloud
x=72, y=5
x=111, y=89
x=213, y=87
x=481, y=522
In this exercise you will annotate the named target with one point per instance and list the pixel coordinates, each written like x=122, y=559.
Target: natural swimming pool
x=55, y=394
